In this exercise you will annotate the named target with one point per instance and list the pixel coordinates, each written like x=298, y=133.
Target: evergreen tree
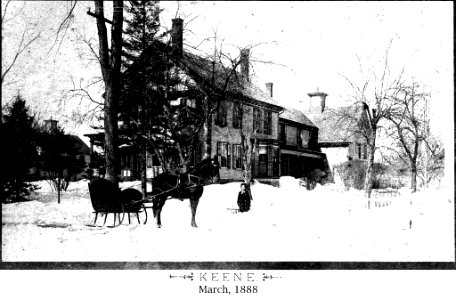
x=143, y=24
x=59, y=159
x=161, y=107
x=19, y=151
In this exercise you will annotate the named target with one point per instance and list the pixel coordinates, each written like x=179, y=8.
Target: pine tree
x=143, y=24
x=161, y=108
x=19, y=151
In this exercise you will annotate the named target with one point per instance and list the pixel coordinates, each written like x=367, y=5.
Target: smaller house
x=339, y=136
x=298, y=138
x=298, y=142
x=80, y=153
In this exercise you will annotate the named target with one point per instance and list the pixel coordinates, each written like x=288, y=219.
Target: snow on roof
x=334, y=124
x=296, y=116
x=78, y=144
x=224, y=78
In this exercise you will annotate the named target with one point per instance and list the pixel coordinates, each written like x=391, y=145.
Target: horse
x=189, y=185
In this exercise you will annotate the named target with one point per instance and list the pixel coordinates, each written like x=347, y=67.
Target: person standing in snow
x=243, y=200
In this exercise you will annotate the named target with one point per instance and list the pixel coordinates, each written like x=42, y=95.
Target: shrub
x=315, y=176
x=353, y=174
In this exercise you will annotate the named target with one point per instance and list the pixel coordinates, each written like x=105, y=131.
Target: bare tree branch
x=87, y=42
x=23, y=45
x=63, y=27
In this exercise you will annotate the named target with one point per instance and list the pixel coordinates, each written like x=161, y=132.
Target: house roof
x=336, y=125
x=204, y=69
x=206, y=73
x=296, y=116
x=78, y=145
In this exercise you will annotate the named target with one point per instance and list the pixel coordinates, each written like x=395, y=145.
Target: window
x=237, y=153
x=237, y=115
x=283, y=135
x=229, y=156
x=358, y=150
x=222, y=154
x=220, y=118
x=267, y=122
x=291, y=135
x=303, y=138
x=365, y=151
x=257, y=120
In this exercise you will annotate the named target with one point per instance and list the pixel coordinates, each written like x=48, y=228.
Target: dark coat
x=243, y=201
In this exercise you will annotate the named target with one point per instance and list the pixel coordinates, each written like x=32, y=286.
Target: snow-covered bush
x=353, y=173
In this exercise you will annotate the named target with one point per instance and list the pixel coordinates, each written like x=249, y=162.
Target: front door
x=262, y=162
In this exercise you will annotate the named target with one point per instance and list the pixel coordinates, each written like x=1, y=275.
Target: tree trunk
x=110, y=62
x=110, y=127
x=182, y=160
x=58, y=190
x=370, y=167
x=413, y=174
x=143, y=168
x=248, y=148
x=207, y=142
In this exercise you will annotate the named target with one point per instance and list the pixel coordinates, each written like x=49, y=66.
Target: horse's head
x=214, y=171
x=207, y=169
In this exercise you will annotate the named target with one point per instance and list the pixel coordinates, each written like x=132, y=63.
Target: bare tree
x=226, y=83
x=230, y=83
x=27, y=38
x=407, y=114
x=373, y=100
x=432, y=163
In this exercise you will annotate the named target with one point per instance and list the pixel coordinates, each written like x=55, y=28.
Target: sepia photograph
x=219, y=145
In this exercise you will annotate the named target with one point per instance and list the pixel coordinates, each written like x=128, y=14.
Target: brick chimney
x=177, y=37
x=245, y=64
x=269, y=86
x=318, y=95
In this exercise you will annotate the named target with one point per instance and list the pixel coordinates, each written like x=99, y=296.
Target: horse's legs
x=158, y=205
x=158, y=214
x=193, y=205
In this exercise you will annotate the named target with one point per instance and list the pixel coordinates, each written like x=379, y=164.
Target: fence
x=382, y=198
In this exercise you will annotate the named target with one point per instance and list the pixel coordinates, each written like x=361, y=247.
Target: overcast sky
x=311, y=45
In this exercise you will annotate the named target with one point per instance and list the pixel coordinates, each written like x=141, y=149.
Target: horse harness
x=151, y=198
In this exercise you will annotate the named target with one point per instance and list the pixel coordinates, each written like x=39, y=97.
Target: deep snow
x=285, y=224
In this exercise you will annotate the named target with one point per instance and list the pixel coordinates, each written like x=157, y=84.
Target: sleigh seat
x=107, y=198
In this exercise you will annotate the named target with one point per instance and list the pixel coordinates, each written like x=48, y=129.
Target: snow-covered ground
x=284, y=224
